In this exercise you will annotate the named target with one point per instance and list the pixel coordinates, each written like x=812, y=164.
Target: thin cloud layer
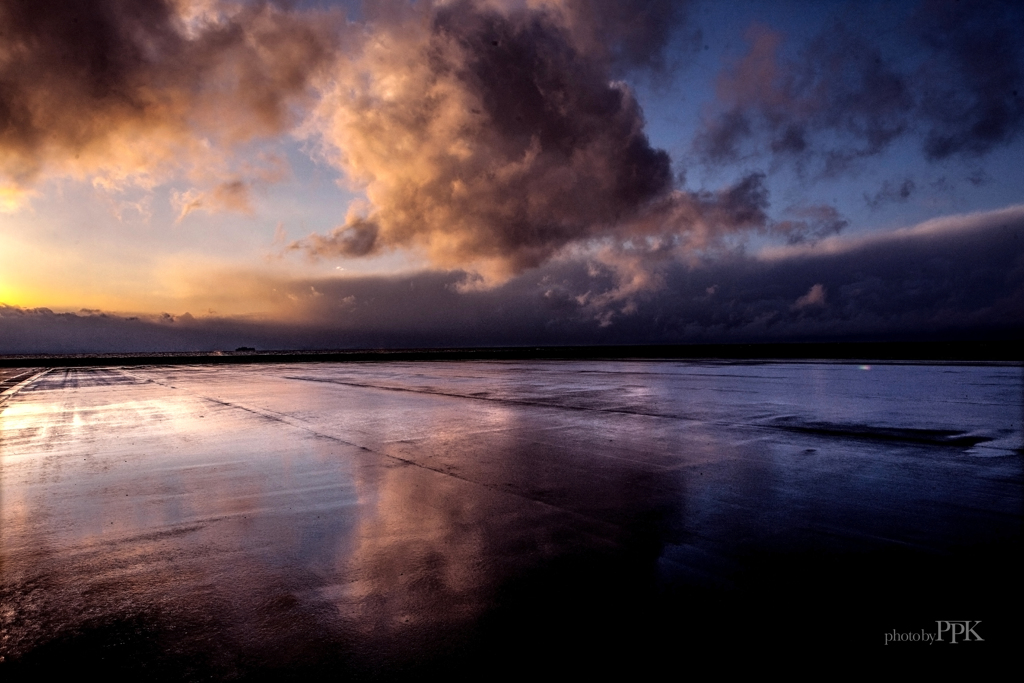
x=959, y=278
x=809, y=224
x=842, y=98
x=891, y=192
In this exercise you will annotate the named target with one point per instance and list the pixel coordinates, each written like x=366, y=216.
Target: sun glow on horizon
x=424, y=172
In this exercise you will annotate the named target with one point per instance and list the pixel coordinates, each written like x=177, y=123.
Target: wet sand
x=388, y=520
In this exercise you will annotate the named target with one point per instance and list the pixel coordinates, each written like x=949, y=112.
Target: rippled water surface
x=384, y=520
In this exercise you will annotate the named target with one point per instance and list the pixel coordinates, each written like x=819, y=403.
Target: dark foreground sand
x=390, y=520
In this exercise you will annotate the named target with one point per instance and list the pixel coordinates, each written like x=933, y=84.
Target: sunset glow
x=411, y=340
x=592, y=172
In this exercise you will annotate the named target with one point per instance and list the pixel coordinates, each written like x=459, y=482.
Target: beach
x=387, y=520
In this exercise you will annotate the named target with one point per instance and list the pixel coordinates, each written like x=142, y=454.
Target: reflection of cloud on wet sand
x=413, y=567
x=264, y=523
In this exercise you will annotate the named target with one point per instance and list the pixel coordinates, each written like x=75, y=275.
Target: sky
x=195, y=175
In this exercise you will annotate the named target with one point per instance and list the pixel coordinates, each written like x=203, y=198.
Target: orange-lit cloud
x=487, y=137
x=130, y=90
x=492, y=136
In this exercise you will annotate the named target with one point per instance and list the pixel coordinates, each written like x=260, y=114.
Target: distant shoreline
x=971, y=351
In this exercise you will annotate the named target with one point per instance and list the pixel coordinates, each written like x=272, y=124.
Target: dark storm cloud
x=491, y=137
x=956, y=82
x=125, y=86
x=494, y=138
x=959, y=277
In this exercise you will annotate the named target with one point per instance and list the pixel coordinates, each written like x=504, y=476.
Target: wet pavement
x=388, y=520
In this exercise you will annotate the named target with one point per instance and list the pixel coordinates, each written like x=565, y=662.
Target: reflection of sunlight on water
x=15, y=521
x=138, y=465
x=164, y=502
x=18, y=414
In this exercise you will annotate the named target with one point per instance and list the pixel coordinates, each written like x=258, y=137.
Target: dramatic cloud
x=498, y=144
x=489, y=138
x=123, y=89
x=842, y=98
